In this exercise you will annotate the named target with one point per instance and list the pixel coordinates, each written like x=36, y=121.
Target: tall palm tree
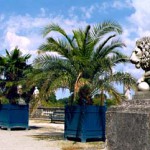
x=13, y=69
x=84, y=58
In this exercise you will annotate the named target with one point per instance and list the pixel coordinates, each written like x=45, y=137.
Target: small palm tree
x=85, y=57
x=13, y=69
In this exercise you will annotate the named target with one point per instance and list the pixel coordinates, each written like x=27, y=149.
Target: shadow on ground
x=21, y=129
x=51, y=136
x=69, y=144
x=35, y=127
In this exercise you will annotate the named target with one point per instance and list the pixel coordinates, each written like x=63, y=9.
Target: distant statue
x=21, y=100
x=36, y=92
x=141, y=58
x=19, y=89
x=127, y=93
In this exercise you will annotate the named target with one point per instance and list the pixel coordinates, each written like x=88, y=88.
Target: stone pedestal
x=128, y=125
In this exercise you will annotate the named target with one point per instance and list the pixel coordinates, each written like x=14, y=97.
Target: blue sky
x=22, y=21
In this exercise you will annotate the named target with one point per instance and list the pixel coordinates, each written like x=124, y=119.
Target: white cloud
x=23, y=43
x=25, y=31
x=87, y=12
x=21, y=23
x=2, y=16
x=83, y=12
x=43, y=12
x=140, y=18
x=14, y=40
x=130, y=68
x=117, y=4
x=128, y=41
x=138, y=25
x=27, y=23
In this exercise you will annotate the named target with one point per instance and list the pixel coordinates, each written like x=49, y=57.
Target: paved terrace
x=42, y=135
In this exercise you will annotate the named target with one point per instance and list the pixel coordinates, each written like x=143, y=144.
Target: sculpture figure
x=141, y=58
x=127, y=93
x=36, y=92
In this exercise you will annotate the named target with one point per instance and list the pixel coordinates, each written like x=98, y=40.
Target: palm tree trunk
x=102, y=98
x=76, y=87
x=35, y=106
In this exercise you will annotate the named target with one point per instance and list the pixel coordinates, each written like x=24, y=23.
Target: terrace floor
x=42, y=135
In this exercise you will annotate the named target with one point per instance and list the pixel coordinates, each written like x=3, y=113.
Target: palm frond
x=107, y=50
x=118, y=58
x=100, y=47
x=104, y=28
x=56, y=28
x=124, y=78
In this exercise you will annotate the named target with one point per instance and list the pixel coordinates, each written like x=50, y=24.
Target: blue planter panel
x=85, y=122
x=14, y=116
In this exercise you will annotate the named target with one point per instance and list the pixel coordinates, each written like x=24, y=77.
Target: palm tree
x=86, y=57
x=13, y=69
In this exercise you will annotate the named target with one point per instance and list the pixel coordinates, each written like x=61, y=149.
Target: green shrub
x=110, y=102
x=52, y=104
x=4, y=100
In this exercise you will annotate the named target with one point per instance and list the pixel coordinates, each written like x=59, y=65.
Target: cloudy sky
x=22, y=21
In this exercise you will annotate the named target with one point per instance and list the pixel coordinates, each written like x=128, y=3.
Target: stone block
x=128, y=125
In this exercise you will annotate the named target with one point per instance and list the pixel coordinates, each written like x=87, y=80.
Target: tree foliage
x=85, y=57
x=13, y=69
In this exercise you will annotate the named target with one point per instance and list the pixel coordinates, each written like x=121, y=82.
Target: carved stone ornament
x=141, y=58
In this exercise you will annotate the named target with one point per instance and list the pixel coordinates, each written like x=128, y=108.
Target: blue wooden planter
x=14, y=116
x=85, y=122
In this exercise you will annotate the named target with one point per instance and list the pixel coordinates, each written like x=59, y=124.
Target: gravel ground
x=42, y=135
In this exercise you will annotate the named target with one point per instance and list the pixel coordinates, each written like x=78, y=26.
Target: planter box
x=85, y=122
x=14, y=116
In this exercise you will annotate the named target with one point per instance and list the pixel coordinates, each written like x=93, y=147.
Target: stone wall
x=45, y=113
x=128, y=125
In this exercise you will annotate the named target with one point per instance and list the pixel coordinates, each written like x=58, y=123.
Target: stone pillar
x=128, y=125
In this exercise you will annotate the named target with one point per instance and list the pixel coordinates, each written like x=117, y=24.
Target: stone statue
x=141, y=58
x=131, y=118
x=127, y=93
x=36, y=92
x=21, y=101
